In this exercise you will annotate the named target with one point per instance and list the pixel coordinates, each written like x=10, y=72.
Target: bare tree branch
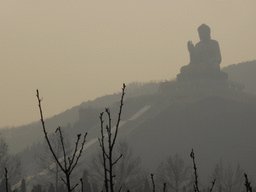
x=69, y=163
x=212, y=185
x=119, y=113
x=117, y=159
x=107, y=154
x=247, y=184
x=6, y=179
x=164, y=189
x=192, y=155
x=63, y=147
x=153, y=182
x=45, y=133
x=80, y=153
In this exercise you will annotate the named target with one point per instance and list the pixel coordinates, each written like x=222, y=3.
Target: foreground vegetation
x=116, y=169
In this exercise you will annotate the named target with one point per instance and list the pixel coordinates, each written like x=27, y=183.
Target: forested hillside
x=32, y=133
x=243, y=73
x=157, y=125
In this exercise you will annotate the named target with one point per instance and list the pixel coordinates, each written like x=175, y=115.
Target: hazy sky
x=74, y=51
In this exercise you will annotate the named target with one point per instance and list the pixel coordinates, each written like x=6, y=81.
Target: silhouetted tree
x=108, y=147
x=228, y=179
x=46, y=160
x=11, y=162
x=196, y=183
x=68, y=163
x=153, y=182
x=128, y=171
x=174, y=173
x=247, y=184
x=196, y=188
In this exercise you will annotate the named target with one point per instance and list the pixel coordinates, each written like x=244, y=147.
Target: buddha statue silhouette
x=205, y=58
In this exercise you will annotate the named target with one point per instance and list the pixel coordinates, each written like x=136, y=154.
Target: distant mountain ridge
x=244, y=73
x=32, y=133
x=215, y=127
x=217, y=124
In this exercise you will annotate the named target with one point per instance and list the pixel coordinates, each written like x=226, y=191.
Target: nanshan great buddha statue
x=205, y=59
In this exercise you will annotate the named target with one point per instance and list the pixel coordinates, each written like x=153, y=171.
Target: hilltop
x=244, y=73
x=164, y=118
x=32, y=133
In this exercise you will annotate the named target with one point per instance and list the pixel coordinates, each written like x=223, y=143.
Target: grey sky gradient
x=74, y=51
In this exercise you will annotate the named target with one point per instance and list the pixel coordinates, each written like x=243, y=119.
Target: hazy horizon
x=74, y=51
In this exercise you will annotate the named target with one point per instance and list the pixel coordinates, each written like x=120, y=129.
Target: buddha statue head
x=204, y=32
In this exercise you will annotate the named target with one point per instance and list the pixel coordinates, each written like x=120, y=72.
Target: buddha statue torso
x=205, y=57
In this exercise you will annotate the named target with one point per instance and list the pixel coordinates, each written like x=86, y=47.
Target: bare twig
x=74, y=187
x=69, y=162
x=82, y=184
x=45, y=133
x=104, y=154
x=63, y=147
x=119, y=113
x=79, y=154
x=64, y=181
x=117, y=159
x=121, y=189
x=192, y=155
x=153, y=182
x=196, y=188
x=247, y=184
x=212, y=185
x=164, y=189
x=107, y=150
x=6, y=179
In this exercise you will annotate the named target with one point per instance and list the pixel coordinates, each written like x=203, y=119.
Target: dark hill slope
x=243, y=73
x=159, y=125
x=18, y=138
x=216, y=128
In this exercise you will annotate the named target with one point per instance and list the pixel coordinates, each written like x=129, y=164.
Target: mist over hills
x=243, y=73
x=32, y=133
x=217, y=126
